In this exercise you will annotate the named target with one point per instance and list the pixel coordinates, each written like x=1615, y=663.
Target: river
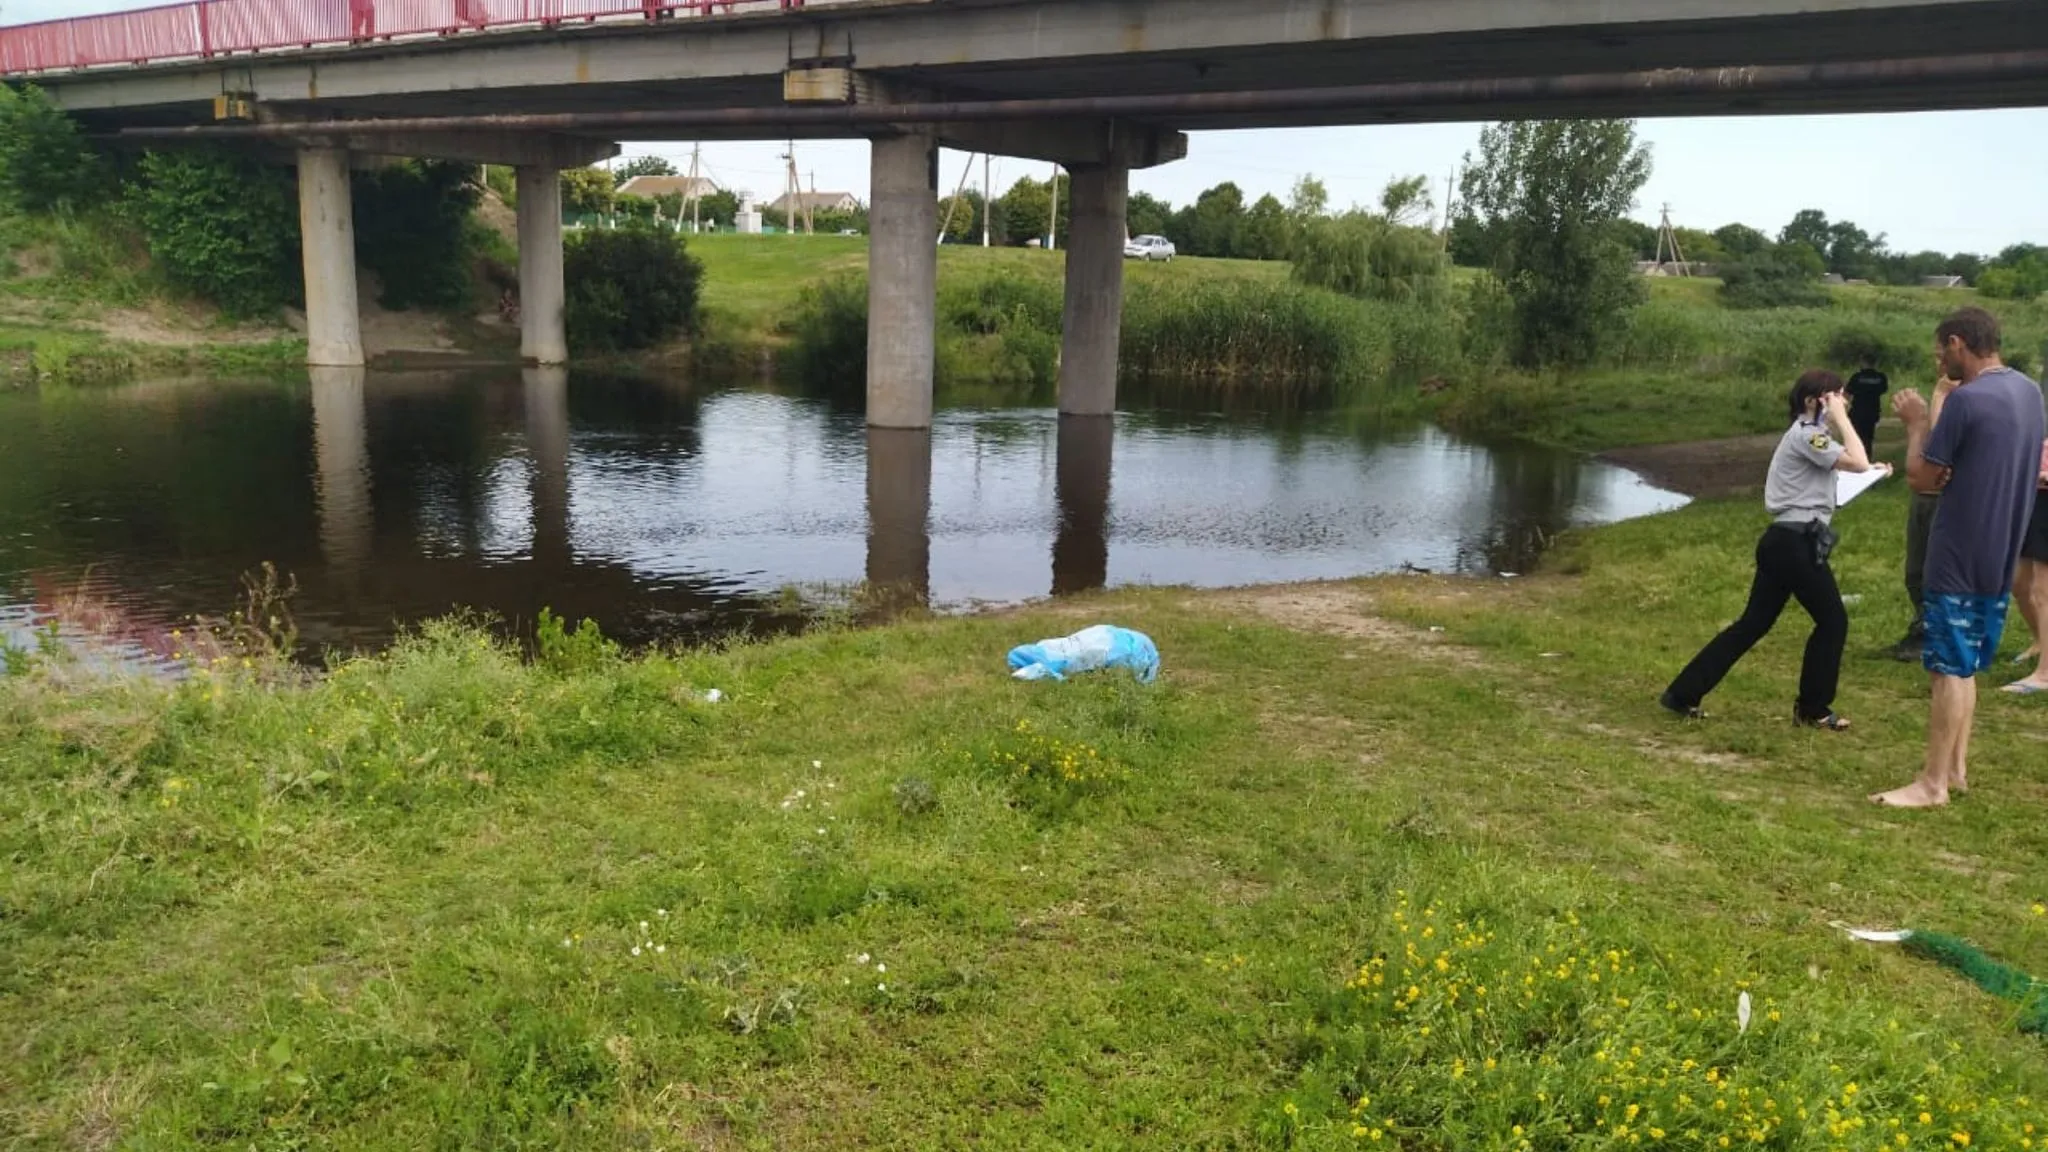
x=668, y=510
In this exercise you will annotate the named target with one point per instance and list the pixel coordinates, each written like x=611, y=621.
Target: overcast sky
x=1954, y=181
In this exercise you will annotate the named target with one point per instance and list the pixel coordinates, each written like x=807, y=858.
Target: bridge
x=1098, y=86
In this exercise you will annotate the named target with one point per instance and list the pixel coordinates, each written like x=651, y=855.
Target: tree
x=412, y=230
x=1774, y=279
x=1700, y=247
x=1555, y=192
x=1024, y=210
x=719, y=209
x=1740, y=241
x=1263, y=233
x=44, y=162
x=1853, y=253
x=1208, y=227
x=587, y=191
x=1407, y=200
x=645, y=166
x=1810, y=228
x=1146, y=215
x=222, y=225
x=1309, y=198
x=961, y=221
x=628, y=289
x=1641, y=238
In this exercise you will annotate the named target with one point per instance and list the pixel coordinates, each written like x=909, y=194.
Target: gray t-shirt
x=1989, y=437
x=1801, y=483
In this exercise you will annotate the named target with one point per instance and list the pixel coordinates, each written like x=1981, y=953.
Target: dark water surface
x=667, y=510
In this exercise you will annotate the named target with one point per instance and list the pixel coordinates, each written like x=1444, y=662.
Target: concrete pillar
x=1080, y=550
x=341, y=476
x=899, y=516
x=327, y=226
x=542, y=337
x=1095, y=291
x=546, y=394
x=903, y=278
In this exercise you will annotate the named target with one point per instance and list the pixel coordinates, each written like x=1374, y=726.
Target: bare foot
x=1918, y=794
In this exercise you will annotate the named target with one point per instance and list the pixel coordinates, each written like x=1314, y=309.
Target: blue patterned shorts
x=1963, y=633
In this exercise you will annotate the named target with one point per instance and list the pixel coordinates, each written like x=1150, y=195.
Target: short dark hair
x=1813, y=386
x=1976, y=328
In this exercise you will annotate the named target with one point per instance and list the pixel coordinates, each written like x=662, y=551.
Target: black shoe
x=1911, y=648
x=1682, y=711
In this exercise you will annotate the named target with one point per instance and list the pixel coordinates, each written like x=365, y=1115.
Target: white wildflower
x=861, y=959
x=636, y=949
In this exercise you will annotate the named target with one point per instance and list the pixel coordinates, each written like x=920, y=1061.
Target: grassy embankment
x=1685, y=369
x=80, y=302
x=399, y=906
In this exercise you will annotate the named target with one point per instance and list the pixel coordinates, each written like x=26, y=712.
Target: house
x=656, y=187
x=1941, y=282
x=814, y=202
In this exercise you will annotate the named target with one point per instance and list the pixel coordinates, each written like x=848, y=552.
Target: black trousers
x=1786, y=568
x=1866, y=431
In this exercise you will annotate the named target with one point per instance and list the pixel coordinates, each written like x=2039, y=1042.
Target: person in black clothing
x=1866, y=394
x=1792, y=558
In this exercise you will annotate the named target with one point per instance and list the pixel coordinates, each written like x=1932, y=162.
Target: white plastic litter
x=1742, y=1013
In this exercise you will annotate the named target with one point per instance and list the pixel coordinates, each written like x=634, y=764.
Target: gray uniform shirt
x=1801, y=484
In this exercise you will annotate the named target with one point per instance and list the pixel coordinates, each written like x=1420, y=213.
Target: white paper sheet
x=1850, y=485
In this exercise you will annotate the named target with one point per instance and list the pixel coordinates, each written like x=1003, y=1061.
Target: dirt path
x=1701, y=468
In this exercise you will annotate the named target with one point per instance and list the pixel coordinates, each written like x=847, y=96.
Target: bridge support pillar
x=543, y=336
x=899, y=567
x=1095, y=291
x=327, y=227
x=903, y=274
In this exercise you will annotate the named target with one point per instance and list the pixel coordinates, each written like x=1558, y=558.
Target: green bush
x=412, y=231
x=829, y=352
x=1772, y=281
x=222, y=225
x=629, y=289
x=1360, y=254
x=44, y=162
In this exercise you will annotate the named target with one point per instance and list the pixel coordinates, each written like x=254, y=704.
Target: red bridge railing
x=207, y=28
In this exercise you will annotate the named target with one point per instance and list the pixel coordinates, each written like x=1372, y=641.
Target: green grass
x=396, y=906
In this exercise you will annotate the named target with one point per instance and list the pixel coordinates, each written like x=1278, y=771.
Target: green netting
x=2002, y=981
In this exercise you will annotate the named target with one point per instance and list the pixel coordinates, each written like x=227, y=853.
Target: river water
x=668, y=510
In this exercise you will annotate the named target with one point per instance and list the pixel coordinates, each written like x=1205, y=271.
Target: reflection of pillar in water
x=547, y=440
x=1080, y=551
x=341, y=484
x=899, y=511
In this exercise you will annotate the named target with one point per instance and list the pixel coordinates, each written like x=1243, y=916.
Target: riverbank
x=447, y=898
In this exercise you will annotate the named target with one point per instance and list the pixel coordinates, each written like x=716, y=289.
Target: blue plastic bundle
x=1102, y=646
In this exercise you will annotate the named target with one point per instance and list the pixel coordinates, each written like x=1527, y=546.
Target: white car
x=1149, y=248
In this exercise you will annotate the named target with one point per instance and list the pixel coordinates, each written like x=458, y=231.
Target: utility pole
x=811, y=207
x=988, y=202
x=792, y=190
x=695, y=191
x=1450, y=200
x=1052, y=225
x=1666, y=235
x=953, y=205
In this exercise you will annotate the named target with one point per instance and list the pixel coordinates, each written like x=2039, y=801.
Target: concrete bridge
x=1099, y=86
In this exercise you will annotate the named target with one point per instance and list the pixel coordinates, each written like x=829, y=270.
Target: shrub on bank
x=412, y=230
x=1771, y=281
x=629, y=290
x=44, y=161
x=223, y=226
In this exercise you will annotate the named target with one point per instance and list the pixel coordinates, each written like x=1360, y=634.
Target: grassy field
x=1339, y=880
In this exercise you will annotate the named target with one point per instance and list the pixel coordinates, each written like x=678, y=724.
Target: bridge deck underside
x=1944, y=29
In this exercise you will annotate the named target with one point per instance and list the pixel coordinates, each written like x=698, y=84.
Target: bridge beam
x=1090, y=334
x=543, y=333
x=327, y=228
x=903, y=274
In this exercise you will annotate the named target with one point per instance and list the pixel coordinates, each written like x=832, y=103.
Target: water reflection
x=899, y=474
x=1080, y=549
x=341, y=483
x=665, y=510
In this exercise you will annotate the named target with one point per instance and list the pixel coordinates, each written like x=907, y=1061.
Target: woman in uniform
x=1792, y=558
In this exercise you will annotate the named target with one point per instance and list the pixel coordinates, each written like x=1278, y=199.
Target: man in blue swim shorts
x=1980, y=447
